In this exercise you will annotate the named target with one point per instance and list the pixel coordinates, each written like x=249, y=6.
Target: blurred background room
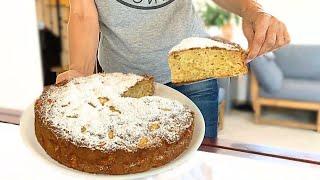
x=276, y=105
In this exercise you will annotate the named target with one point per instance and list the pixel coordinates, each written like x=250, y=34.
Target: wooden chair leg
x=318, y=121
x=257, y=112
x=221, y=115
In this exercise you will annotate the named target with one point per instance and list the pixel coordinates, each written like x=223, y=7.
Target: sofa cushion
x=299, y=61
x=296, y=89
x=268, y=74
x=270, y=56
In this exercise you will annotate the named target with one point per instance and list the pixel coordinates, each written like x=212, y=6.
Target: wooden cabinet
x=54, y=14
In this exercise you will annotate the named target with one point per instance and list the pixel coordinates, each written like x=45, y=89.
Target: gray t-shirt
x=136, y=35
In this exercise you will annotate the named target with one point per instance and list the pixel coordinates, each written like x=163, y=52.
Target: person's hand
x=264, y=33
x=68, y=75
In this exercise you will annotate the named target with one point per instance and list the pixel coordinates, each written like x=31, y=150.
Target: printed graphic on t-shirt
x=145, y=4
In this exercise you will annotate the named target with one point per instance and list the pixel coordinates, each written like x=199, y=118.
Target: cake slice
x=197, y=59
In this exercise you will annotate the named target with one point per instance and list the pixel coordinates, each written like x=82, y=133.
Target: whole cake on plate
x=198, y=58
x=111, y=124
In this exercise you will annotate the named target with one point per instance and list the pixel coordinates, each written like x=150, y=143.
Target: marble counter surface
x=17, y=163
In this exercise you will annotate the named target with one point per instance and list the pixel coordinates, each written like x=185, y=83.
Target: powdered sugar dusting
x=198, y=42
x=78, y=114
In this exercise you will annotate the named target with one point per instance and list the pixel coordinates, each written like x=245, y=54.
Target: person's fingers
x=60, y=78
x=287, y=38
x=280, y=37
x=66, y=76
x=260, y=31
x=248, y=32
x=270, y=40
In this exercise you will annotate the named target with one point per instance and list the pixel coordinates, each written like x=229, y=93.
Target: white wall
x=20, y=64
x=302, y=18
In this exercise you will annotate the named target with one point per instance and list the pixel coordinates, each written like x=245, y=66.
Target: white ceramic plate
x=29, y=138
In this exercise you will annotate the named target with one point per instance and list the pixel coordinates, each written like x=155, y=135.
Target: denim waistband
x=211, y=84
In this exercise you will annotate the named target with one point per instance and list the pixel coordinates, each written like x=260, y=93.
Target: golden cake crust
x=91, y=160
x=96, y=161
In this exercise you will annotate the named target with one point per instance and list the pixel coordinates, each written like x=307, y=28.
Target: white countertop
x=16, y=162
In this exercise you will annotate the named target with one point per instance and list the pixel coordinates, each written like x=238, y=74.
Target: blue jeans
x=205, y=95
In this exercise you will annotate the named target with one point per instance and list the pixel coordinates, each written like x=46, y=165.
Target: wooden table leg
x=318, y=121
x=257, y=112
x=221, y=115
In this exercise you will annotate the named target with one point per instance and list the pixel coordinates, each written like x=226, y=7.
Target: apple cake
x=198, y=58
x=111, y=124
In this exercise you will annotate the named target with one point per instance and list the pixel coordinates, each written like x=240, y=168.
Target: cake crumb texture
x=194, y=61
